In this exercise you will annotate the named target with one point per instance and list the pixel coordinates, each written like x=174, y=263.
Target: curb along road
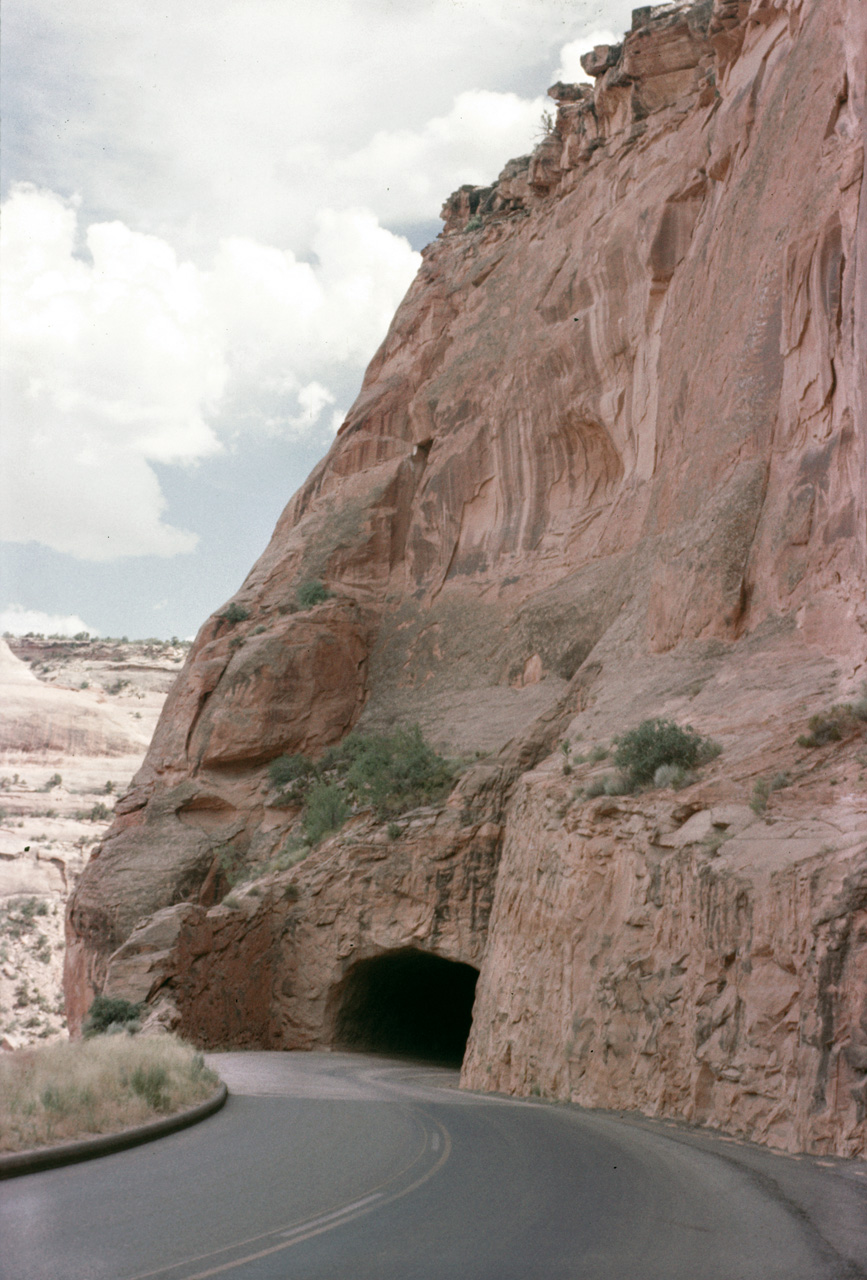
x=21, y=1162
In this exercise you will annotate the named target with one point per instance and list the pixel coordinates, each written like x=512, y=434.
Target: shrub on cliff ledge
x=326, y=810
x=234, y=613
x=312, y=592
x=393, y=773
x=390, y=773
x=657, y=742
x=844, y=720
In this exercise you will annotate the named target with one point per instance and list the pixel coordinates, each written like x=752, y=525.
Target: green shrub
x=474, y=224
x=312, y=592
x=286, y=769
x=761, y=791
x=844, y=720
x=234, y=613
x=641, y=751
x=149, y=1083
x=108, y=1011
x=390, y=773
x=395, y=773
x=293, y=852
x=327, y=810
x=100, y=812
x=830, y=727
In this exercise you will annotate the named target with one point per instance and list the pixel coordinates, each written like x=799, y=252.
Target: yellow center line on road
x=321, y=1222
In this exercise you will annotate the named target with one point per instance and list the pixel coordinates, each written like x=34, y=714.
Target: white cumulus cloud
x=408, y=173
x=18, y=621
x=216, y=117
x=117, y=355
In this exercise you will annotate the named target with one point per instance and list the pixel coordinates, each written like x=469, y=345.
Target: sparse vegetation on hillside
x=759, y=798
x=235, y=613
x=326, y=809
x=657, y=744
x=842, y=721
x=390, y=773
x=657, y=753
x=69, y=1090
x=312, y=592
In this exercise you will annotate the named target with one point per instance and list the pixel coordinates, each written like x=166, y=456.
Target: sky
x=210, y=212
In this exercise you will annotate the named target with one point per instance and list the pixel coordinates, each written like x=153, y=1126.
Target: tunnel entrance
x=408, y=1002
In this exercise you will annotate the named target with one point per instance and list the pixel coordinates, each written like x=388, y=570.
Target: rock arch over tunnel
x=407, y=1002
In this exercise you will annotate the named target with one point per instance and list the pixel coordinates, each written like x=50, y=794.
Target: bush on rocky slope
x=389, y=773
x=659, y=744
x=109, y=1012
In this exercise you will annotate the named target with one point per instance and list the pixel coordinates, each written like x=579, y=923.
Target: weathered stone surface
x=608, y=463
x=38, y=719
x=268, y=968
x=719, y=983
x=63, y=703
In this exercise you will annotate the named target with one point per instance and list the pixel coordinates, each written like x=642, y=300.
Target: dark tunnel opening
x=409, y=1003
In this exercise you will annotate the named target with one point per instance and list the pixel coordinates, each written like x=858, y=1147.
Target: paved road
x=344, y=1167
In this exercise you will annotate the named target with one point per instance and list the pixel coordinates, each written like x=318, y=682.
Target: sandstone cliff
x=609, y=463
x=76, y=717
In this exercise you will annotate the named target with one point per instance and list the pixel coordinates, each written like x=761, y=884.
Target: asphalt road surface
x=349, y=1167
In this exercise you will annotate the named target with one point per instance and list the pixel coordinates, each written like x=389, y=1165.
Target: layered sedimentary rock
x=37, y=718
x=609, y=463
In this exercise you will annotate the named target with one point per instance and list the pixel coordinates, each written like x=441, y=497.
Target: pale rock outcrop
x=35, y=717
x=608, y=463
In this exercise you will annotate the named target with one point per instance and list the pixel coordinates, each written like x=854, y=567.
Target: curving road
x=346, y=1167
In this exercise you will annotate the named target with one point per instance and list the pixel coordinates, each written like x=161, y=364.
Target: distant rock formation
x=36, y=718
x=76, y=717
x=609, y=463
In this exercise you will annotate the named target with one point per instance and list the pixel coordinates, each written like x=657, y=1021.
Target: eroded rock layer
x=609, y=463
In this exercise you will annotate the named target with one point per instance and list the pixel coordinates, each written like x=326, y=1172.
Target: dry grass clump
x=75, y=1089
x=843, y=721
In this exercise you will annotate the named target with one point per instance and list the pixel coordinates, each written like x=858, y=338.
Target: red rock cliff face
x=609, y=462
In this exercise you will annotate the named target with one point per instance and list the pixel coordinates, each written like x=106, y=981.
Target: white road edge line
x=330, y=1217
